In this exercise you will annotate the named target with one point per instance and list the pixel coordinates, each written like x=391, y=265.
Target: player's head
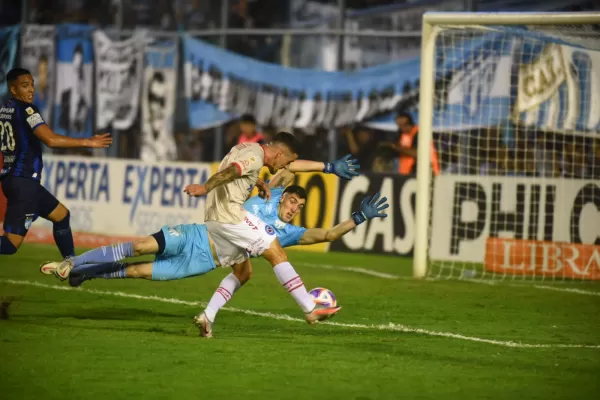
x=247, y=125
x=291, y=203
x=281, y=151
x=20, y=84
x=404, y=121
x=157, y=98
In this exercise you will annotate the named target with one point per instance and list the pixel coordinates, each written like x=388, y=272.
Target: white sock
x=292, y=282
x=222, y=295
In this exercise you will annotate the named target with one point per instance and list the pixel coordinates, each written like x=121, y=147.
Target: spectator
x=362, y=145
x=248, y=132
x=407, y=146
x=384, y=161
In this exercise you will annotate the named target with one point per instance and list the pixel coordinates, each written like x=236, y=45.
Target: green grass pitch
x=394, y=338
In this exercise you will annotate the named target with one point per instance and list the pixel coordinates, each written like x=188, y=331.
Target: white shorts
x=235, y=243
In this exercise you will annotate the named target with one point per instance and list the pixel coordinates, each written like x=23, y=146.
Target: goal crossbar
x=510, y=18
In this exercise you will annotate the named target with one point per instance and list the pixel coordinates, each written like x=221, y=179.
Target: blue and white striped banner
x=529, y=78
x=559, y=88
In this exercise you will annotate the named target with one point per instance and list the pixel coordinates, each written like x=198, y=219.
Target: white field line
x=462, y=279
x=523, y=285
x=382, y=327
x=353, y=269
x=566, y=290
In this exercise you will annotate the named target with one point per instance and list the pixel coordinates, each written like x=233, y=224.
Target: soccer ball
x=324, y=297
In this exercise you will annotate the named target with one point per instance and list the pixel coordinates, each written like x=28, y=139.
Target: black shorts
x=26, y=201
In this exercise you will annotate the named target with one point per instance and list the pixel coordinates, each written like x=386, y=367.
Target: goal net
x=512, y=104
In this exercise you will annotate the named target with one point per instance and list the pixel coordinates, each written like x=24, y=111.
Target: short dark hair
x=78, y=49
x=288, y=140
x=15, y=73
x=248, y=118
x=297, y=190
x=406, y=115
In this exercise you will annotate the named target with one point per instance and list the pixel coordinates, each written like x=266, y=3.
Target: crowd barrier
x=112, y=198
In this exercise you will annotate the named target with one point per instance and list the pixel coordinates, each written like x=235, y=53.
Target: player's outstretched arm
x=223, y=177
x=346, y=167
x=54, y=140
x=369, y=208
x=282, y=178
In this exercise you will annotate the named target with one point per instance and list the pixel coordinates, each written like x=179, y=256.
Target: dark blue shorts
x=26, y=201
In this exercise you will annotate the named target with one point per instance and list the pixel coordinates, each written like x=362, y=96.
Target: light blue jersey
x=187, y=252
x=267, y=211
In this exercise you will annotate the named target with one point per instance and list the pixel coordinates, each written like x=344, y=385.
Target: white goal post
x=442, y=33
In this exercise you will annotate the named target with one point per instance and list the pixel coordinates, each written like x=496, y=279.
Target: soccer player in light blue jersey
x=184, y=251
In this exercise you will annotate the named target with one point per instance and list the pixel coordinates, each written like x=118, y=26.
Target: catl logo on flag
x=539, y=258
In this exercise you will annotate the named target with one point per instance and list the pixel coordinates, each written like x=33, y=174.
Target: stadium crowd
x=507, y=150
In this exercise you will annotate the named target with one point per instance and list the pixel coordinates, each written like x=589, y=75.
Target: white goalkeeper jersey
x=225, y=203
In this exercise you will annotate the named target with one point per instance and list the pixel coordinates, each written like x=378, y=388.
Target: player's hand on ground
x=264, y=191
x=195, y=190
x=102, y=140
x=346, y=167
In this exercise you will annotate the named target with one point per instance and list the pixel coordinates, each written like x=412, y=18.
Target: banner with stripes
x=559, y=90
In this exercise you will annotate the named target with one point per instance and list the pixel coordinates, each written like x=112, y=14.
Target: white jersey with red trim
x=225, y=203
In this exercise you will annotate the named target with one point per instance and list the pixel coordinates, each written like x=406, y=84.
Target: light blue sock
x=118, y=274
x=108, y=270
x=105, y=254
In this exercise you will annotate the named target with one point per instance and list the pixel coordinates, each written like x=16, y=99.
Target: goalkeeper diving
x=186, y=250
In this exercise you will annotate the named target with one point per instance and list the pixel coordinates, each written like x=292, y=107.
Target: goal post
x=506, y=78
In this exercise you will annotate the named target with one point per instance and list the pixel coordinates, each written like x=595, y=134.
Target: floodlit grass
x=93, y=344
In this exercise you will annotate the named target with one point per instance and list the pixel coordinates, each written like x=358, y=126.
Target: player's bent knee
x=275, y=254
x=59, y=214
x=64, y=223
x=138, y=247
x=141, y=271
x=144, y=246
x=243, y=275
x=243, y=271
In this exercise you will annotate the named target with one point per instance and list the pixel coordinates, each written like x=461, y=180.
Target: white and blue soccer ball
x=324, y=297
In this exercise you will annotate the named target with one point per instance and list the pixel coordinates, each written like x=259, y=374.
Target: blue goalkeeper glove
x=370, y=208
x=346, y=167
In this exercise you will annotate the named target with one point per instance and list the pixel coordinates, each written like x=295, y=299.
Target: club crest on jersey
x=29, y=111
x=28, y=221
x=173, y=232
x=252, y=159
x=269, y=229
